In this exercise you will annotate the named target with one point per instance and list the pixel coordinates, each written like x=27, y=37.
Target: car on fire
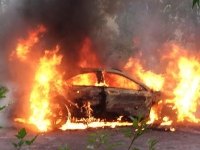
x=103, y=93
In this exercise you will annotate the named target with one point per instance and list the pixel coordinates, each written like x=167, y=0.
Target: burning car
x=102, y=93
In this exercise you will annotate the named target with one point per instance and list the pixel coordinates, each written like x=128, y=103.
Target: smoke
x=153, y=24
x=69, y=22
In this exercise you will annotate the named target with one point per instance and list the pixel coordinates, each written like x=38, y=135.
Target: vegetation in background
x=195, y=2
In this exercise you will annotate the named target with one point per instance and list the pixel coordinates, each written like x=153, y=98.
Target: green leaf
x=104, y=141
x=17, y=136
x=1, y=108
x=128, y=135
x=31, y=141
x=135, y=123
x=2, y=92
x=131, y=118
x=139, y=118
x=194, y=3
x=34, y=139
x=152, y=143
x=127, y=132
x=22, y=133
x=28, y=142
x=92, y=141
x=15, y=144
x=114, y=145
x=1, y=127
x=20, y=143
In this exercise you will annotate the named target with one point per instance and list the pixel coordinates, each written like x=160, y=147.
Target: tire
x=59, y=112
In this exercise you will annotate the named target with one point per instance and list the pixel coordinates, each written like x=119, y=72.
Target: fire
x=153, y=116
x=181, y=80
x=87, y=57
x=24, y=46
x=152, y=80
x=94, y=124
x=186, y=75
x=166, y=121
x=47, y=80
x=83, y=79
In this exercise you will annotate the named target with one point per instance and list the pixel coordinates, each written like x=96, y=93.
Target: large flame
x=181, y=81
x=87, y=55
x=47, y=81
x=152, y=80
x=186, y=76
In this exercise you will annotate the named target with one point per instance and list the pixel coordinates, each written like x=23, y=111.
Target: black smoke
x=68, y=23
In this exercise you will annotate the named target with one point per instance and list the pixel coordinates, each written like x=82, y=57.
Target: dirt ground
x=184, y=138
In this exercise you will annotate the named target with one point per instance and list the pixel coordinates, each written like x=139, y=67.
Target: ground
x=182, y=139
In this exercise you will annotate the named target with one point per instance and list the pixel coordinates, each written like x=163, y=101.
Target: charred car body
x=103, y=93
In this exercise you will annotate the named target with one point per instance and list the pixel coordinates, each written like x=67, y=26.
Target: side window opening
x=118, y=81
x=86, y=79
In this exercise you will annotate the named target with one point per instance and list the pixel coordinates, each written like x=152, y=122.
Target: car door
x=85, y=92
x=84, y=87
x=126, y=97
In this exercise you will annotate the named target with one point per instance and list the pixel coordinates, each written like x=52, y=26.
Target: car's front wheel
x=59, y=112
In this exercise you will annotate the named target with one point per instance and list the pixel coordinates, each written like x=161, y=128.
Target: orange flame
x=46, y=77
x=48, y=81
x=23, y=46
x=181, y=80
x=152, y=80
x=186, y=75
x=87, y=56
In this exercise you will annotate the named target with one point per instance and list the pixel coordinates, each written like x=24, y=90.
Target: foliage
x=64, y=148
x=152, y=143
x=99, y=139
x=3, y=91
x=195, y=2
x=21, y=137
x=140, y=127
